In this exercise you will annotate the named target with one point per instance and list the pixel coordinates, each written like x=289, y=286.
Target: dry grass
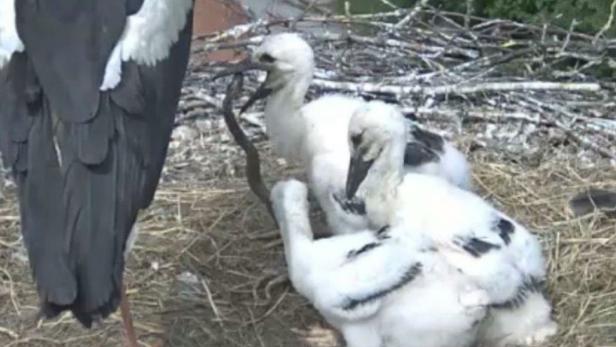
x=206, y=268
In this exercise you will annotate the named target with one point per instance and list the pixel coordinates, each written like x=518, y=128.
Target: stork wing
x=87, y=158
x=424, y=147
x=484, y=243
x=355, y=287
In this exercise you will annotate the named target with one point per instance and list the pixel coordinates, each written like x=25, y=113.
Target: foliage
x=590, y=15
x=370, y=6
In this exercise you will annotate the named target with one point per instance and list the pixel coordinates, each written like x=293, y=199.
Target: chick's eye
x=356, y=140
x=266, y=58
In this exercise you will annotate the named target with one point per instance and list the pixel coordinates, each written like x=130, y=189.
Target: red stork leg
x=127, y=320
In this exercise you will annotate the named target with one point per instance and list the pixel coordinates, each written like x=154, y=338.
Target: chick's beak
x=358, y=170
x=246, y=65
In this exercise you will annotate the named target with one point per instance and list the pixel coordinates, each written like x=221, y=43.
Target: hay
x=206, y=268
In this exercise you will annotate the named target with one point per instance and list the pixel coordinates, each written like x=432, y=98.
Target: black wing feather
x=25, y=113
x=78, y=210
x=407, y=277
x=69, y=43
x=594, y=199
x=424, y=147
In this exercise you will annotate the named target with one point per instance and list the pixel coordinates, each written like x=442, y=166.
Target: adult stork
x=88, y=93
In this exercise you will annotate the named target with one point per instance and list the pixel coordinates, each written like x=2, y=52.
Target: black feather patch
x=425, y=147
x=352, y=206
x=133, y=6
x=416, y=154
x=594, y=199
x=504, y=228
x=388, y=98
x=409, y=275
x=430, y=140
x=382, y=234
x=531, y=285
x=365, y=248
x=475, y=246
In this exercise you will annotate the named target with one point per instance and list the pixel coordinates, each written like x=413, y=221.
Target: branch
x=253, y=166
x=456, y=88
x=607, y=24
x=412, y=14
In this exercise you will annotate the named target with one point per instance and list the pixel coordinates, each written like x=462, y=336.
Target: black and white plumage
x=488, y=247
x=388, y=288
x=89, y=90
x=314, y=134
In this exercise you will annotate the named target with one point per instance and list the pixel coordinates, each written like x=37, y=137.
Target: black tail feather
x=594, y=200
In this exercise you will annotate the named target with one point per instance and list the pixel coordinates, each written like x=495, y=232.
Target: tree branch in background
x=508, y=84
x=607, y=24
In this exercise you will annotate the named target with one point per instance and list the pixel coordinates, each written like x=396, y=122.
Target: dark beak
x=243, y=66
x=261, y=93
x=358, y=170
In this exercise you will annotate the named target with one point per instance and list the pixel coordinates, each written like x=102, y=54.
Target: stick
x=456, y=88
x=607, y=24
x=253, y=163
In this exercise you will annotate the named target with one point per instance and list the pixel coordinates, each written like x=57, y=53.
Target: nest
x=524, y=103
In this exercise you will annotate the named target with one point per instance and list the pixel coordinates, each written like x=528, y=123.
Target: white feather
x=453, y=167
x=446, y=213
x=438, y=308
x=530, y=324
x=9, y=38
x=147, y=37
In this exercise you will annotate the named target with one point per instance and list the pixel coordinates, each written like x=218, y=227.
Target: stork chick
x=485, y=245
x=383, y=289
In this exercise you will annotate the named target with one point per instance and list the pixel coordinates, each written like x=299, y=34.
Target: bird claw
x=353, y=205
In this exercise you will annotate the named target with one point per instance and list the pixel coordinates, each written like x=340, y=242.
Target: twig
x=389, y=4
x=210, y=299
x=9, y=332
x=412, y=14
x=568, y=37
x=253, y=164
x=468, y=13
x=607, y=24
x=456, y=89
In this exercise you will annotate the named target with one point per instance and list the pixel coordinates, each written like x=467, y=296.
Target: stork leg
x=127, y=320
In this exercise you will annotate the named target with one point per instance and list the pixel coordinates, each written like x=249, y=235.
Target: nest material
x=206, y=268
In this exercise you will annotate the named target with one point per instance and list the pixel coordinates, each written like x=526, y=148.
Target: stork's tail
x=594, y=200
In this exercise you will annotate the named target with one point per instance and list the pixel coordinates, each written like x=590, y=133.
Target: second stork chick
x=314, y=134
x=485, y=245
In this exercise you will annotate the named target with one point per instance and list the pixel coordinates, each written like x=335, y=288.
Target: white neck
x=283, y=119
x=379, y=188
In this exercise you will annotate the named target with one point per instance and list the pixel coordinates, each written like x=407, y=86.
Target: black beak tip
x=349, y=194
x=358, y=170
